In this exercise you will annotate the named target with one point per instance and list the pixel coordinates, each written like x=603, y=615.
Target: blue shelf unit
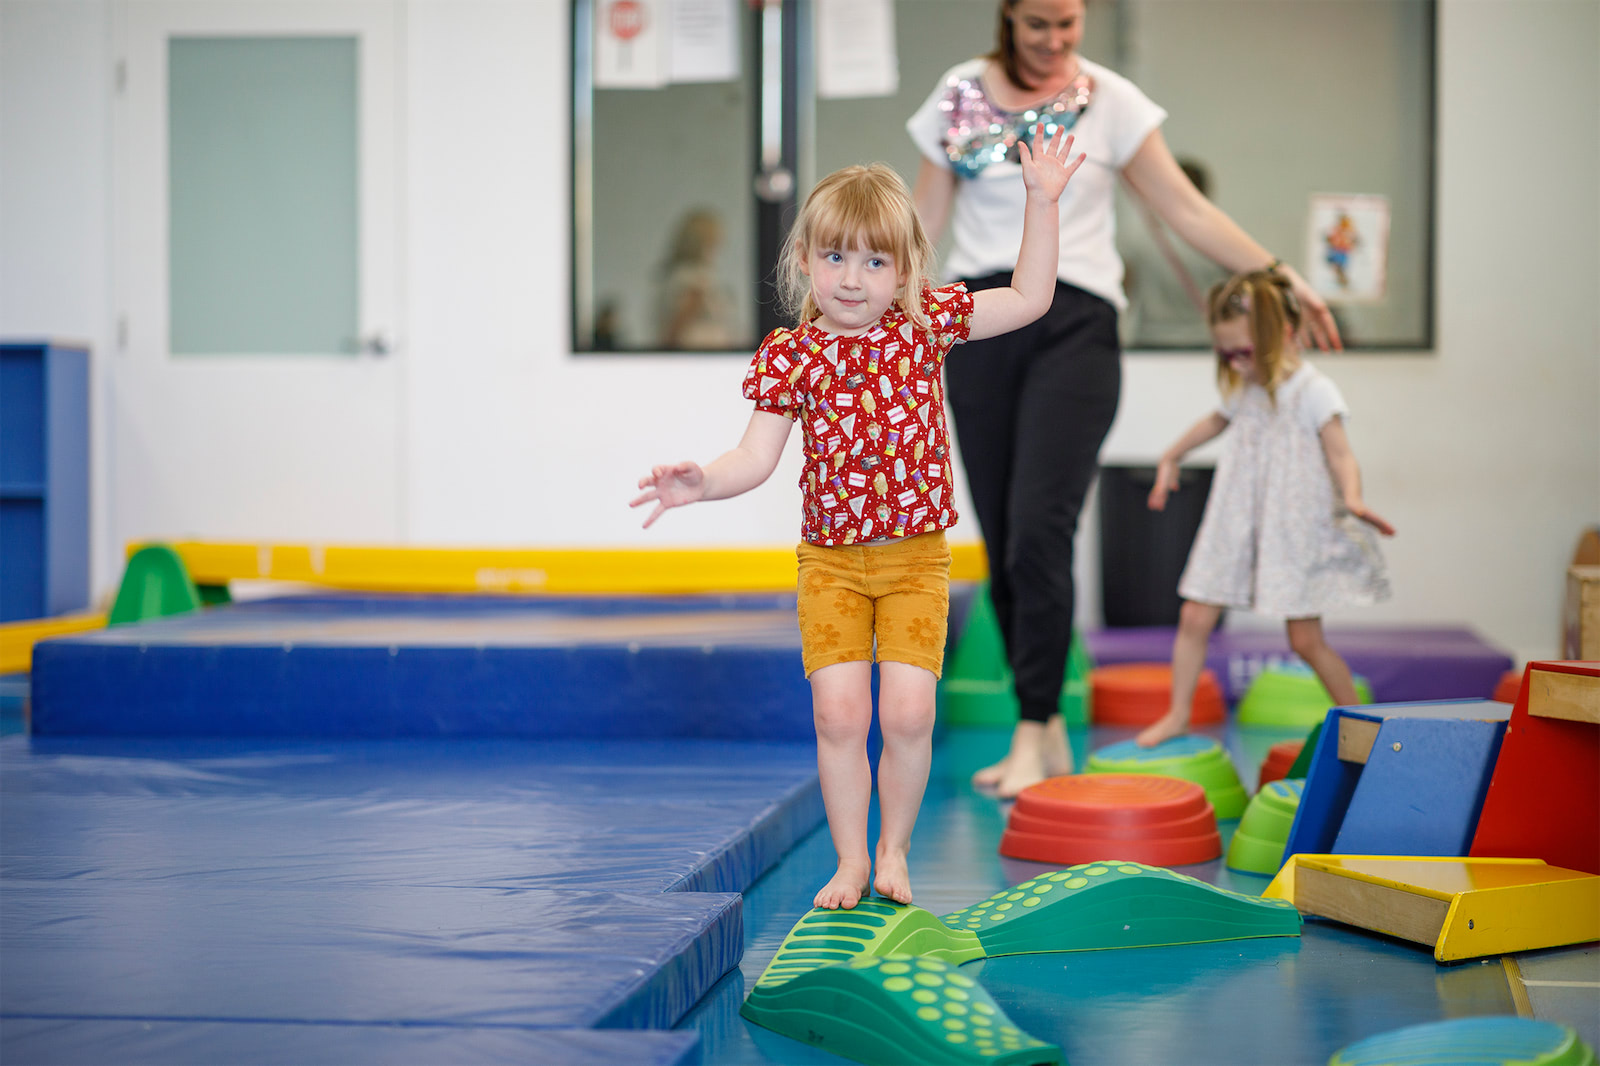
x=44, y=479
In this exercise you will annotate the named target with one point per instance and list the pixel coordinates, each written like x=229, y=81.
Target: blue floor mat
x=369, y=886
x=48, y=1042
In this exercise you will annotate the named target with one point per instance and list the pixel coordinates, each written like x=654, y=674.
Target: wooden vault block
x=1399, y=778
x=1544, y=798
x=1461, y=908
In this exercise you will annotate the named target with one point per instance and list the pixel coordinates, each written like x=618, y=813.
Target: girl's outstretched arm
x=1045, y=173
x=1167, y=471
x=730, y=474
x=1347, y=475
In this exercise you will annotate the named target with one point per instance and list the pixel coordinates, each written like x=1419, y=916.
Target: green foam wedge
x=879, y=984
x=1118, y=905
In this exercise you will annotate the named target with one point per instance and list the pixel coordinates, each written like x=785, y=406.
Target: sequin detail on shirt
x=978, y=133
x=871, y=410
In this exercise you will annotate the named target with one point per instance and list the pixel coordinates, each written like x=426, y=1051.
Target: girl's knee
x=1198, y=619
x=906, y=720
x=1305, y=637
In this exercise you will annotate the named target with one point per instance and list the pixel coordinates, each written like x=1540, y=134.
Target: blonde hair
x=866, y=207
x=1267, y=300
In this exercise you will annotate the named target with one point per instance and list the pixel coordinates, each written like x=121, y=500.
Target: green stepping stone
x=1290, y=697
x=874, y=927
x=155, y=584
x=894, y=1008
x=1486, y=1041
x=1257, y=845
x=1193, y=758
x=1118, y=905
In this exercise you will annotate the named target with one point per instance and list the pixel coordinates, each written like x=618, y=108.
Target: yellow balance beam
x=18, y=638
x=600, y=570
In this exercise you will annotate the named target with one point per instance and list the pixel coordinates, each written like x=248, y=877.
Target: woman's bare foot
x=990, y=775
x=893, y=879
x=1172, y=724
x=846, y=888
x=1057, y=749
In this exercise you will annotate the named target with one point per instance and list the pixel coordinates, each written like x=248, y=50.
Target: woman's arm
x=1167, y=470
x=1347, y=474
x=1157, y=178
x=934, y=193
x=731, y=473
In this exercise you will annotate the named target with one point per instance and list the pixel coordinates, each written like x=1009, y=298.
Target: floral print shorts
x=897, y=591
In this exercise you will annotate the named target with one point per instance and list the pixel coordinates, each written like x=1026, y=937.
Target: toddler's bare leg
x=1195, y=623
x=1308, y=642
x=841, y=701
x=905, y=715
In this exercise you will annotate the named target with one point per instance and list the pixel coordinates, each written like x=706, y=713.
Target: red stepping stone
x=1280, y=758
x=1509, y=685
x=1136, y=694
x=1148, y=818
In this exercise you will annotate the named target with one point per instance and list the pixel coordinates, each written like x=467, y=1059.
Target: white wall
x=1485, y=454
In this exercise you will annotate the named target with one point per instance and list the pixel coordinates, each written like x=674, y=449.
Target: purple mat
x=1401, y=662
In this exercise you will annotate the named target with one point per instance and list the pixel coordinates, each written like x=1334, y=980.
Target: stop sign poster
x=629, y=38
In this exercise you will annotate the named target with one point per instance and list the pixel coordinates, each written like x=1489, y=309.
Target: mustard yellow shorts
x=897, y=591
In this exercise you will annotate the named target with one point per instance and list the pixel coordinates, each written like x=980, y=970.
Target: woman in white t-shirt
x=1033, y=407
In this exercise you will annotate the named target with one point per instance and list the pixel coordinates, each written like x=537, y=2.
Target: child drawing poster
x=1347, y=247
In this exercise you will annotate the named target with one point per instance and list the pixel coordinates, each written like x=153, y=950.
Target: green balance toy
x=1257, y=845
x=976, y=689
x=1290, y=697
x=1193, y=758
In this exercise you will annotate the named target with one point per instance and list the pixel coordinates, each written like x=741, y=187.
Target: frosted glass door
x=257, y=391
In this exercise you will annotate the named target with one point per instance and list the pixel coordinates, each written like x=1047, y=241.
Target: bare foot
x=845, y=889
x=992, y=774
x=1172, y=724
x=1026, y=768
x=1057, y=749
x=893, y=879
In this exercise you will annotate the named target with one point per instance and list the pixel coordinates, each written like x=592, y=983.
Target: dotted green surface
x=1484, y=1041
x=1118, y=905
x=895, y=1008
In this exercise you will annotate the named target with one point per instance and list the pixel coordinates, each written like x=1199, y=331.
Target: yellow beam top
x=18, y=638
x=599, y=570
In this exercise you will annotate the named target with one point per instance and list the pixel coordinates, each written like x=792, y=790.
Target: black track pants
x=1031, y=410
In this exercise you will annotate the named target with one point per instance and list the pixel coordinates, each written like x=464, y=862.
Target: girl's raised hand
x=1047, y=168
x=1166, y=484
x=670, y=486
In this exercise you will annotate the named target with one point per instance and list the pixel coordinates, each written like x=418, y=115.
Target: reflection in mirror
x=1273, y=105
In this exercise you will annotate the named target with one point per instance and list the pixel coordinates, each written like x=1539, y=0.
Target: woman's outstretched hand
x=670, y=486
x=1316, y=321
x=1048, y=167
x=1166, y=484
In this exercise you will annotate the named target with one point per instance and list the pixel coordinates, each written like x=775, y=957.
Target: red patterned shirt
x=872, y=412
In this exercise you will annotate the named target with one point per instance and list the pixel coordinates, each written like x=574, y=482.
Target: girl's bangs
x=856, y=218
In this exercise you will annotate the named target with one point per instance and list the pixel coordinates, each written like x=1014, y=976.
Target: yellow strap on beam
x=18, y=638
x=597, y=570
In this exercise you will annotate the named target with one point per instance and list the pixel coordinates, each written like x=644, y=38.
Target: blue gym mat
x=382, y=901
x=421, y=666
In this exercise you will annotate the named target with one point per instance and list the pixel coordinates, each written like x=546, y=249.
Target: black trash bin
x=1142, y=552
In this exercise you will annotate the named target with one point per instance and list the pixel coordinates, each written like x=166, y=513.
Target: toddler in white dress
x=1286, y=531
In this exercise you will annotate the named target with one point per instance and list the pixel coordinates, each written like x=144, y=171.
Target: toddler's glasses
x=1236, y=355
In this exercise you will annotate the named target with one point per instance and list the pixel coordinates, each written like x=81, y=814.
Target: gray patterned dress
x=1276, y=538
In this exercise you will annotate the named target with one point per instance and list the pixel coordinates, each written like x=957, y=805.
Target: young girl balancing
x=1285, y=531
x=860, y=373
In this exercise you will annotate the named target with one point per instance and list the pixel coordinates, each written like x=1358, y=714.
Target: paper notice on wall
x=855, y=48
x=630, y=43
x=1347, y=247
x=702, y=40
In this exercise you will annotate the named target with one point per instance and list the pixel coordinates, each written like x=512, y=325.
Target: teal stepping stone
x=895, y=1008
x=1488, y=1041
x=1118, y=905
x=1193, y=758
